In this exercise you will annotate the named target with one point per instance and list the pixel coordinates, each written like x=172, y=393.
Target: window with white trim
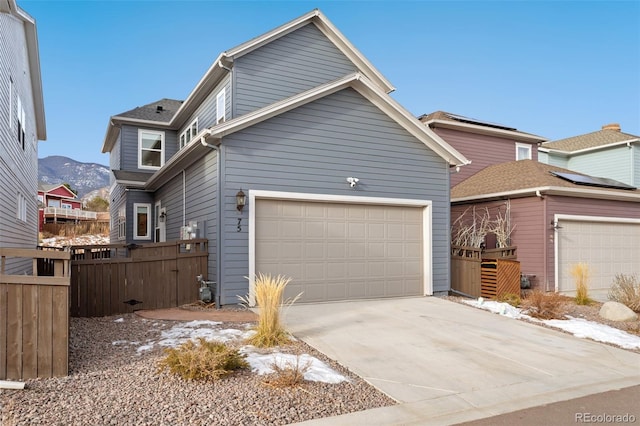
x=11, y=89
x=21, y=213
x=121, y=223
x=150, y=149
x=523, y=151
x=21, y=119
x=220, y=106
x=142, y=221
x=189, y=133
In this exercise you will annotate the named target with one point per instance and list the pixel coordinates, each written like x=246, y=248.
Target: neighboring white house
x=22, y=125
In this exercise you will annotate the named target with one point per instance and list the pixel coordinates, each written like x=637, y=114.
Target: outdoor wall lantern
x=163, y=216
x=240, y=200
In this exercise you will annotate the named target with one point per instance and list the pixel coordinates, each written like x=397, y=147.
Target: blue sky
x=556, y=69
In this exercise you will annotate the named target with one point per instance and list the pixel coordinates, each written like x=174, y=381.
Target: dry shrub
x=580, y=273
x=289, y=374
x=626, y=290
x=543, y=305
x=268, y=298
x=511, y=298
x=204, y=360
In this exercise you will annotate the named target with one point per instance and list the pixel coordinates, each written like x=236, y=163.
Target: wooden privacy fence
x=487, y=273
x=34, y=317
x=116, y=278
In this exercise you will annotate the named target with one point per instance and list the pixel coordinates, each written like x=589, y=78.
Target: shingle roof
x=161, y=111
x=589, y=140
x=514, y=176
x=447, y=116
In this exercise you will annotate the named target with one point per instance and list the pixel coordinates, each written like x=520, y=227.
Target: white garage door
x=335, y=251
x=609, y=248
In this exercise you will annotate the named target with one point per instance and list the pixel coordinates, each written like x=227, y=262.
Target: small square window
x=523, y=151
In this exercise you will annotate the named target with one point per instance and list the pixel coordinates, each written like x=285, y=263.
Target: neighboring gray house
x=607, y=153
x=346, y=192
x=22, y=124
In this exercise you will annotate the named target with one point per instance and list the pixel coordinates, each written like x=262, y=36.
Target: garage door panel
x=609, y=248
x=338, y=251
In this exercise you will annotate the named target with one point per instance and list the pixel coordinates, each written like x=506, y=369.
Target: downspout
x=545, y=260
x=218, y=300
x=184, y=199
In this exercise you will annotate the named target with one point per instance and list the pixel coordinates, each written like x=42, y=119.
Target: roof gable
x=458, y=122
x=525, y=177
x=59, y=190
x=599, y=139
x=318, y=19
x=356, y=81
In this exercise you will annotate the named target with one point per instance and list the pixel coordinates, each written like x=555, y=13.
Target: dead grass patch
x=288, y=374
x=203, y=360
x=543, y=305
x=626, y=290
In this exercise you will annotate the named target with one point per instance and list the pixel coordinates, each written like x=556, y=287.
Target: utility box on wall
x=195, y=229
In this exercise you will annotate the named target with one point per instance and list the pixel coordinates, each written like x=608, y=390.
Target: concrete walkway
x=447, y=363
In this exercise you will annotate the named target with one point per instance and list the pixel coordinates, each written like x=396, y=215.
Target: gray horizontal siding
x=207, y=111
x=292, y=64
x=116, y=200
x=313, y=149
x=199, y=202
x=18, y=166
x=129, y=146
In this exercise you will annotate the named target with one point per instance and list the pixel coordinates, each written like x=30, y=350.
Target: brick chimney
x=612, y=126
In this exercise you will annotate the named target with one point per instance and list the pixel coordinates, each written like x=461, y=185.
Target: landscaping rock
x=615, y=311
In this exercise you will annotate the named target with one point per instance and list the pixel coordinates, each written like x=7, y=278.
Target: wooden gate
x=34, y=317
x=115, y=278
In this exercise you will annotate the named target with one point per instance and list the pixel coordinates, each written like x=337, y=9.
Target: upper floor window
x=189, y=133
x=221, y=101
x=150, y=149
x=523, y=151
x=21, y=212
x=21, y=119
x=142, y=221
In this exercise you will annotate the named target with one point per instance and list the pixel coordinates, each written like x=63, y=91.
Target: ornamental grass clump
x=268, y=293
x=626, y=290
x=581, y=273
x=287, y=373
x=543, y=305
x=204, y=360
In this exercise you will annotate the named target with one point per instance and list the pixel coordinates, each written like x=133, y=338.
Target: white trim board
x=427, y=223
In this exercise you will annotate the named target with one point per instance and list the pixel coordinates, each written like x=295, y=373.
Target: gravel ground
x=113, y=384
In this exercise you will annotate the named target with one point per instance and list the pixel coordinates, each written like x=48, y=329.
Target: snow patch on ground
x=577, y=326
x=260, y=363
x=82, y=240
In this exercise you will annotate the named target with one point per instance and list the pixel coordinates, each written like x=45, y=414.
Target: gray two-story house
x=22, y=125
x=291, y=158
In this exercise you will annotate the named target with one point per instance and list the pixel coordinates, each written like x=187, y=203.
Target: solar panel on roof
x=592, y=181
x=479, y=122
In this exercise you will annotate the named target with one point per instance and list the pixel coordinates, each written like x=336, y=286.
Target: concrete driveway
x=446, y=363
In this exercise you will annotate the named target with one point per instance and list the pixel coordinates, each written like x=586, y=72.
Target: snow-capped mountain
x=83, y=177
